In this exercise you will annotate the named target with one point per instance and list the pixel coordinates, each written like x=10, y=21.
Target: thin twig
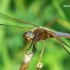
x=40, y=65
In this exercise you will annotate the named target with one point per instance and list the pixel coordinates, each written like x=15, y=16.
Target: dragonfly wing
x=6, y=17
x=61, y=34
x=64, y=42
x=58, y=39
x=16, y=28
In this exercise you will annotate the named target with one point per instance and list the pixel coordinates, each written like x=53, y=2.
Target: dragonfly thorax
x=28, y=36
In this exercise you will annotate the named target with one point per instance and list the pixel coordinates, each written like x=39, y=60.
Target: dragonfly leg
x=34, y=49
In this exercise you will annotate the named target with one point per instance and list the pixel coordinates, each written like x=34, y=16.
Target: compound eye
x=25, y=35
x=28, y=36
x=28, y=39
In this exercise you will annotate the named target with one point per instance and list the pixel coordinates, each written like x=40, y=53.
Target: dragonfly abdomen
x=61, y=34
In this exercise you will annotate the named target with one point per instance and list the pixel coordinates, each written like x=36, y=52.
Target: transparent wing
x=15, y=28
x=6, y=17
x=60, y=41
x=61, y=34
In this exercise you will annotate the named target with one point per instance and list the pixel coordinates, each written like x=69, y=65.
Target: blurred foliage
x=48, y=13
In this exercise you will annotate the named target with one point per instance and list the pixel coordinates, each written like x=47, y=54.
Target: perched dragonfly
x=38, y=33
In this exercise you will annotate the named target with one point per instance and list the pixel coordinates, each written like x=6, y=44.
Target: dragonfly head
x=28, y=36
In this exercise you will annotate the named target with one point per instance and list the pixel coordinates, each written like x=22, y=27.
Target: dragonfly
x=38, y=33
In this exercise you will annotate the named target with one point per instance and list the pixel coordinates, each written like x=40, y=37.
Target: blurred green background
x=49, y=13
